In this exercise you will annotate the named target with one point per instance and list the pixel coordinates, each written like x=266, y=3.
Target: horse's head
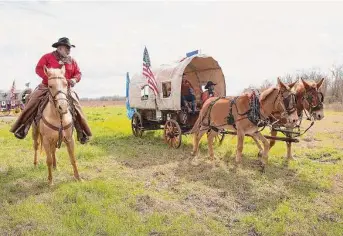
x=287, y=103
x=58, y=88
x=311, y=99
x=281, y=100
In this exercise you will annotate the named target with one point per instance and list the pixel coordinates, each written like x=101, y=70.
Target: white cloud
x=251, y=41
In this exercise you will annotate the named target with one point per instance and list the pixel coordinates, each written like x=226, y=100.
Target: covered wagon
x=164, y=110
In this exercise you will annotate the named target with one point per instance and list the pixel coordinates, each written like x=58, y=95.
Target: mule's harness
x=308, y=97
x=253, y=114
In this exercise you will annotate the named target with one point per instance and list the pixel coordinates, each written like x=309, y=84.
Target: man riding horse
x=40, y=96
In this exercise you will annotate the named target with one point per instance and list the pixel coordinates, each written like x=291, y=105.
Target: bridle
x=285, y=104
x=61, y=128
x=53, y=97
x=308, y=97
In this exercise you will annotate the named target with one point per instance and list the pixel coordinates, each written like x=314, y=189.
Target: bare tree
x=287, y=79
x=336, y=88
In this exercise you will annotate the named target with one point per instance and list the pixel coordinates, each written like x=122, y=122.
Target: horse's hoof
x=238, y=165
x=291, y=159
x=51, y=183
x=193, y=154
x=259, y=154
x=78, y=179
x=195, y=162
x=263, y=168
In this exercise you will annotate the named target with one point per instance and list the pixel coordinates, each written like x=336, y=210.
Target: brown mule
x=309, y=102
x=55, y=115
x=214, y=117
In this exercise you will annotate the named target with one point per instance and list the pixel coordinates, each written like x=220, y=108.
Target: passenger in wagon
x=209, y=92
x=187, y=93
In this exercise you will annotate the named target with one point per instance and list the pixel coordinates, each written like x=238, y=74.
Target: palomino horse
x=56, y=123
x=309, y=101
x=231, y=113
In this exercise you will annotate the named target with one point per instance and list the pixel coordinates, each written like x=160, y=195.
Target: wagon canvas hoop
x=199, y=69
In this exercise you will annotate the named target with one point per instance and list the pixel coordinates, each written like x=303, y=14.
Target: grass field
x=136, y=186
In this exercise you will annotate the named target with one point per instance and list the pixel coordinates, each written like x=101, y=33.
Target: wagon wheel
x=136, y=125
x=172, y=133
x=219, y=138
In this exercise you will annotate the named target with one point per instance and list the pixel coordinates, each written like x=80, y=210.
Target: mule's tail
x=196, y=126
x=202, y=114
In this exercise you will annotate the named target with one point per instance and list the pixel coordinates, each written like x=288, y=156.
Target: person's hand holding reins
x=72, y=82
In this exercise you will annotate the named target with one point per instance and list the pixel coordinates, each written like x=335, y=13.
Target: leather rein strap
x=55, y=127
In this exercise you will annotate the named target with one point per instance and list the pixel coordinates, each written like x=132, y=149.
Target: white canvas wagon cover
x=199, y=69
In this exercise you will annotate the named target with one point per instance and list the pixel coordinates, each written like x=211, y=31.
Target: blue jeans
x=189, y=98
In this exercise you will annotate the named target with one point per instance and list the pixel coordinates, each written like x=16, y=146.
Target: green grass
x=139, y=186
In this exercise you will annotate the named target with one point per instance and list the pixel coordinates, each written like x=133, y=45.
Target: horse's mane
x=265, y=94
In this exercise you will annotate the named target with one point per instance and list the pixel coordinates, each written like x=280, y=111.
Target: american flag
x=148, y=73
x=12, y=90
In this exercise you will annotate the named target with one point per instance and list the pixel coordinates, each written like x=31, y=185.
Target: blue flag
x=189, y=54
x=129, y=111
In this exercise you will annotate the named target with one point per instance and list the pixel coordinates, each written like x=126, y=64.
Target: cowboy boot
x=81, y=135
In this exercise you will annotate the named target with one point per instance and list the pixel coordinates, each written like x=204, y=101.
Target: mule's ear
x=320, y=83
x=45, y=69
x=281, y=85
x=291, y=85
x=306, y=85
x=63, y=70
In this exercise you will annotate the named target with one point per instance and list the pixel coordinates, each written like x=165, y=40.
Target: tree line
x=332, y=87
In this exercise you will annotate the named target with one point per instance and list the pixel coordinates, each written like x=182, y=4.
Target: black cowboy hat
x=63, y=41
x=209, y=83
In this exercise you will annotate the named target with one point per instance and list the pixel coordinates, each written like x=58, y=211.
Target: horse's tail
x=202, y=114
x=196, y=126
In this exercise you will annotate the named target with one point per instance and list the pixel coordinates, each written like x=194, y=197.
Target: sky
x=252, y=41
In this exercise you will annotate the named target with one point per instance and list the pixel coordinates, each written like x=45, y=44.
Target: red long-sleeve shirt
x=50, y=61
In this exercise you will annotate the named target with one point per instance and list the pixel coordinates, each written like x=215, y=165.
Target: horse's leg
x=260, y=152
x=53, y=154
x=265, y=149
x=70, y=147
x=35, y=137
x=272, y=141
x=289, y=151
x=240, y=142
x=48, y=152
x=196, y=140
x=210, y=138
